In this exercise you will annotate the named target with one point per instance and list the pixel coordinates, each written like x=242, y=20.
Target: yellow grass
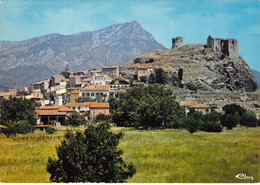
x=159, y=155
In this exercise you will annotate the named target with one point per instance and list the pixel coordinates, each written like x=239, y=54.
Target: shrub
x=91, y=156
x=16, y=109
x=234, y=109
x=9, y=130
x=249, y=119
x=213, y=116
x=21, y=127
x=230, y=120
x=102, y=118
x=75, y=120
x=50, y=130
x=211, y=126
x=193, y=122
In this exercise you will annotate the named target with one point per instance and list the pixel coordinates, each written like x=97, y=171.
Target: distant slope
x=257, y=77
x=25, y=62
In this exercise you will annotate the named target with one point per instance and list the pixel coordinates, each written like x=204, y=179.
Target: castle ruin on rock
x=177, y=42
x=227, y=46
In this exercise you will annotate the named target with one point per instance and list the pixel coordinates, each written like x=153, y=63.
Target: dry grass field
x=159, y=155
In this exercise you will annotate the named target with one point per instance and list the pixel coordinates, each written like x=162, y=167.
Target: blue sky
x=194, y=20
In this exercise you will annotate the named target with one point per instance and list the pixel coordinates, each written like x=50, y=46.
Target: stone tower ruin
x=177, y=42
x=227, y=46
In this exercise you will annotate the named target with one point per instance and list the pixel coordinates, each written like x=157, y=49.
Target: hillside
x=25, y=62
x=201, y=66
x=222, y=80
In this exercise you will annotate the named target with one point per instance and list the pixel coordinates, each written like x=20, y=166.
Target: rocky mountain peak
x=113, y=45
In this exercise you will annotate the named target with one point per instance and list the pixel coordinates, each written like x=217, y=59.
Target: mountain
x=257, y=77
x=25, y=62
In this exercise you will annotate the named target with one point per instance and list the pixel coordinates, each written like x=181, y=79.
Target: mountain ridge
x=114, y=45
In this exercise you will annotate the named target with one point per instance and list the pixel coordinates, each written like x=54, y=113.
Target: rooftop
x=96, y=88
x=99, y=105
x=195, y=105
x=109, y=67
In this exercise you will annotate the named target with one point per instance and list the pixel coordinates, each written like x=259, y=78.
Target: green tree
x=91, y=156
x=230, y=120
x=151, y=79
x=160, y=76
x=16, y=109
x=249, y=119
x=193, y=122
x=234, y=109
x=75, y=120
x=21, y=127
x=102, y=118
x=180, y=74
x=151, y=106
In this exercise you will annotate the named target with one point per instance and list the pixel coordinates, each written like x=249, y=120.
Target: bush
x=213, y=116
x=249, y=119
x=21, y=127
x=16, y=109
x=230, y=120
x=50, y=130
x=211, y=126
x=9, y=130
x=102, y=118
x=91, y=156
x=75, y=120
x=234, y=109
x=193, y=122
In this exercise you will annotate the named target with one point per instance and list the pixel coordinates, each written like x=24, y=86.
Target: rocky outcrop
x=201, y=67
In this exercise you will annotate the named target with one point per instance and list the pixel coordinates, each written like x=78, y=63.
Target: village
x=64, y=93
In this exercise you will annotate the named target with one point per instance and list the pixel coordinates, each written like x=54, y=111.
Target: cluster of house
x=58, y=96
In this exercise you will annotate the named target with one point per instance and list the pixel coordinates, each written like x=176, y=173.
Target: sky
x=194, y=20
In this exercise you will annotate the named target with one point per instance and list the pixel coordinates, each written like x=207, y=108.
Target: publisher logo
x=244, y=177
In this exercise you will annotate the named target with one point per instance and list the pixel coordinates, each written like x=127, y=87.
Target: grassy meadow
x=160, y=156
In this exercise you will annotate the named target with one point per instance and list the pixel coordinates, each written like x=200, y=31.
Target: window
x=94, y=110
x=88, y=94
x=92, y=94
x=105, y=110
x=83, y=94
x=99, y=110
x=79, y=108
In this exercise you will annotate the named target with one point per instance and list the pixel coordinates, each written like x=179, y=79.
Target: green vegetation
x=50, y=130
x=148, y=107
x=75, y=120
x=17, y=114
x=16, y=109
x=170, y=155
x=90, y=156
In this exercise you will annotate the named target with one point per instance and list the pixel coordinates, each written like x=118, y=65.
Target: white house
x=79, y=107
x=95, y=91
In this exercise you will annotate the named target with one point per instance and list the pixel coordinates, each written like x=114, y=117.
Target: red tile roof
x=195, y=105
x=77, y=104
x=109, y=67
x=87, y=80
x=95, y=71
x=99, y=105
x=96, y=88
